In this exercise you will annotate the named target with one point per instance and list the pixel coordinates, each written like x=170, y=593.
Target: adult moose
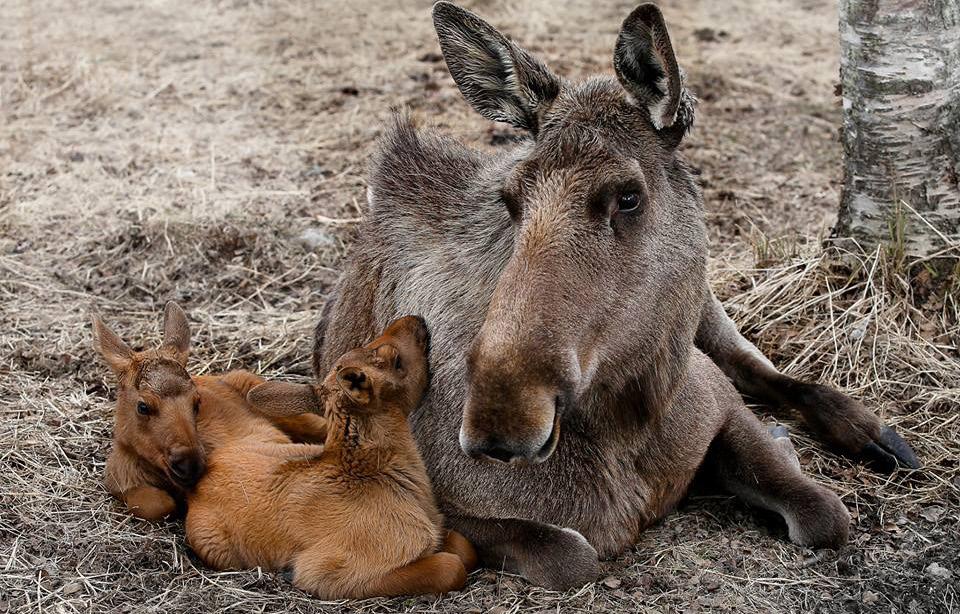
x=572, y=399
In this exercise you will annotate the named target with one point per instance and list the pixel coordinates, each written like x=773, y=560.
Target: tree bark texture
x=900, y=73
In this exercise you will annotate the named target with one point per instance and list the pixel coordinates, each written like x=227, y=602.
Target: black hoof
x=890, y=452
x=899, y=448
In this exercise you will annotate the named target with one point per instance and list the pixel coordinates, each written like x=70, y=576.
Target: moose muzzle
x=514, y=404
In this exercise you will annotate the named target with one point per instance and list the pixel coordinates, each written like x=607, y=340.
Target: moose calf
x=352, y=518
x=165, y=420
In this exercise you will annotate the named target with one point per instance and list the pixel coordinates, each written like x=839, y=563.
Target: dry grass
x=178, y=151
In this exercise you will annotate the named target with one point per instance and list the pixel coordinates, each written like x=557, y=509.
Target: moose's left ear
x=499, y=79
x=176, y=334
x=647, y=68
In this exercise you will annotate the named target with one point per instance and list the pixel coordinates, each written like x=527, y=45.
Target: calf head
x=603, y=291
x=386, y=377
x=157, y=402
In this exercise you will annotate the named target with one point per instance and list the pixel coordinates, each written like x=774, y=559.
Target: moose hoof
x=822, y=522
x=564, y=559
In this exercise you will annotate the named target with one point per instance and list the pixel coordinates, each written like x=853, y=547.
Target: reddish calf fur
x=352, y=518
x=165, y=421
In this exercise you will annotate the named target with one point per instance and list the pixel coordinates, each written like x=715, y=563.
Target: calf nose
x=187, y=467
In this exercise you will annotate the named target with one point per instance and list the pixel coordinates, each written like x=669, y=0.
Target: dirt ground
x=214, y=153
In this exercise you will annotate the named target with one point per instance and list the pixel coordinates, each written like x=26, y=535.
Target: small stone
x=611, y=582
x=869, y=597
x=71, y=589
x=316, y=238
x=938, y=571
x=932, y=513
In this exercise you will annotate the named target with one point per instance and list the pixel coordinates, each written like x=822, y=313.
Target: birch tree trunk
x=900, y=72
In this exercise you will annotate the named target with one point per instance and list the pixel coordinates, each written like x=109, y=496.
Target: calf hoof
x=821, y=522
x=563, y=560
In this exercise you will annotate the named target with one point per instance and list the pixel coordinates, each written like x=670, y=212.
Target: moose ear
x=499, y=79
x=280, y=399
x=356, y=384
x=176, y=334
x=647, y=68
x=114, y=351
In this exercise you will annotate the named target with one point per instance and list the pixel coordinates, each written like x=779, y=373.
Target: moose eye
x=143, y=409
x=628, y=201
x=397, y=363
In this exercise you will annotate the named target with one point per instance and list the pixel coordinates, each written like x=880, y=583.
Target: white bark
x=900, y=72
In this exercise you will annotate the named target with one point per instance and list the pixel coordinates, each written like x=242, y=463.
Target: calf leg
x=327, y=578
x=305, y=428
x=149, y=503
x=455, y=543
x=841, y=421
x=544, y=554
x=759, y=469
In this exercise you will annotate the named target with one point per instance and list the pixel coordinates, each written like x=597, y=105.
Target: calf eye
x=397, y=364
x=628, y=201
x=196, y=407
x=143, y=409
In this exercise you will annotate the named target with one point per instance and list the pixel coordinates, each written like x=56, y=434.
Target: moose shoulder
x=572, y=399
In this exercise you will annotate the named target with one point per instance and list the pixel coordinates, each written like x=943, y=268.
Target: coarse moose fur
x=352, y=518
x=578, y=355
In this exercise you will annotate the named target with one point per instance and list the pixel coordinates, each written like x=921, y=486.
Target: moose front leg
x=545, y=554
x=844, y=423
x=755, y=465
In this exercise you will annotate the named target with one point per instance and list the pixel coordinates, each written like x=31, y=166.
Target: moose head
x=157, y=402
x=602, y=293
x=387, y=375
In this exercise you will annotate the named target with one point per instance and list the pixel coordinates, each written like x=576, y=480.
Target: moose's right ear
x=176, y=334
x=499, y=79
x=647, y=68
x=114, y=351
x=280, y=399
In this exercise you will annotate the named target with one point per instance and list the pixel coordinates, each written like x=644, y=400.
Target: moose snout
x=187, y=466
x=524, y=430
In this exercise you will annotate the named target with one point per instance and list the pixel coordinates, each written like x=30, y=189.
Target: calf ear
x=647, y=68
x=356, y=384
x=499, y=79
x=176, y=334
x=280, y=399
x=114, y=351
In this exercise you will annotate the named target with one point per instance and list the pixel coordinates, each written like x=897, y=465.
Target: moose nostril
x=498, y=452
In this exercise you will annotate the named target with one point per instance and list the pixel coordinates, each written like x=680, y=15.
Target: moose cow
x=579, y=359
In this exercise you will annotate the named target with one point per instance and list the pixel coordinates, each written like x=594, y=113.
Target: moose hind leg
x=755, y=465
x=843, y=422
x=546, y=555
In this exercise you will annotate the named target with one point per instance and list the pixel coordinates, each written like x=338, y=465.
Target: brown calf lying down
x=352, y=518
x=165, y=421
